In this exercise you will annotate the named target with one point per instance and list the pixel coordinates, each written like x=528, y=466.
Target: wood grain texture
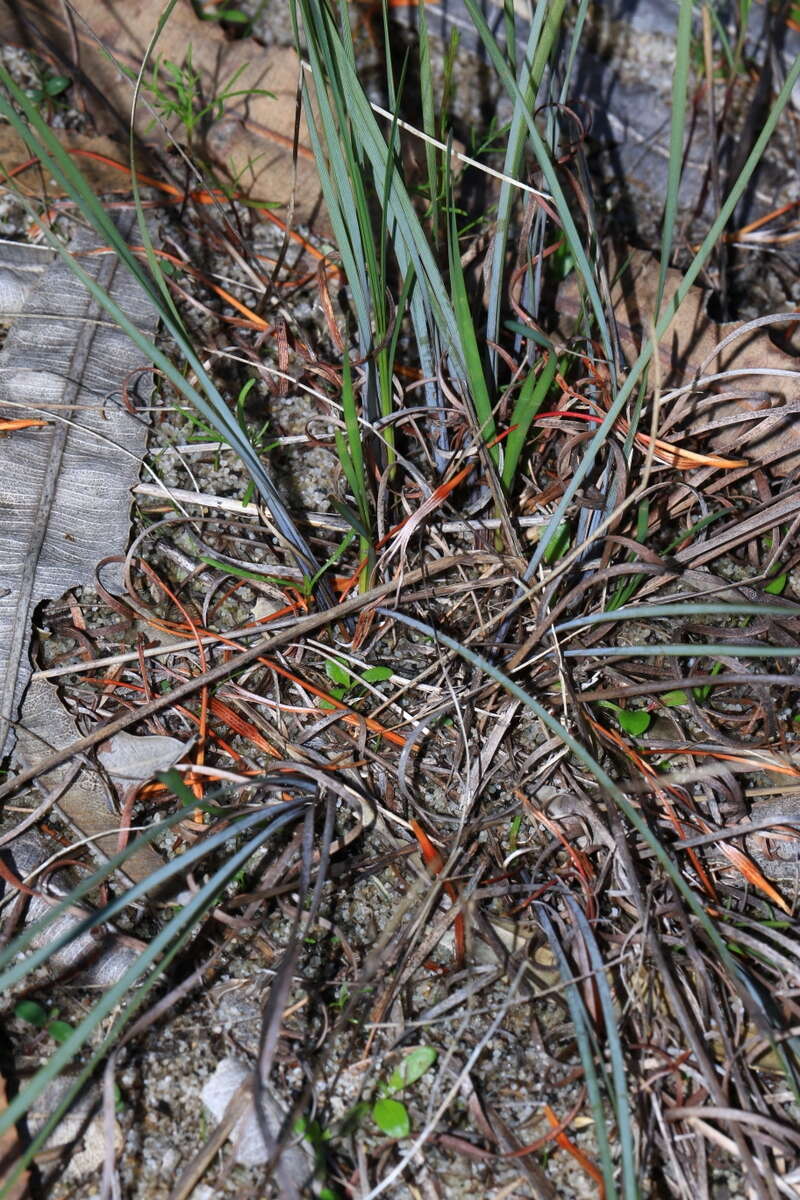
x=64, y=496
x=64, y=488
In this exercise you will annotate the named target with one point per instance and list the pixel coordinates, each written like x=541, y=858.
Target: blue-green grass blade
x=644, y=612
x=336, y=191
x=206, y=397
x=21, y=969
x=31, y=932
x=432, y=317
x=179, y=927
x=547, y=168
x=409, y=237
x=680, y=84
x=621, y=1099
x=631, y=814
x=686, y=650
x=572, y=54
x=537, y=52
x=584, y=1039
x=144, y=230
x=666, y=318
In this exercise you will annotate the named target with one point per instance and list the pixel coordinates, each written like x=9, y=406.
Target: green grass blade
x=31, y=932
x=429, y=121
x=410, y=243
x=680, y=84
x=583, y=1038
x=547, y=168
x=544, y=29
x=666, y=318
x=621, y=1098
x=530, y=400
x=476, y=379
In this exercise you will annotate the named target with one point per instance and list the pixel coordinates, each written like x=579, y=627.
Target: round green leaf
x=33, y=1013
x=337, y=672
x=377, y=674
x=392, y=1118
x=417, y=1063
x=59, y=1031
x=54, y=85
x=633, y=720
x=777, y=585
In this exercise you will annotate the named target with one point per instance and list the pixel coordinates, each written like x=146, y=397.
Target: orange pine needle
x=435, y=864
x=662, y=794
x=565, y=1144
x=199, y=196
x=197, y=634
x=11, y=425
x=767, y=763
x=663, y=452
x=433, y=859
x=242, y=726
x=746, y=867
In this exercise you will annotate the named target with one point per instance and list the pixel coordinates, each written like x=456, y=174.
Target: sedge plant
x=418, y=255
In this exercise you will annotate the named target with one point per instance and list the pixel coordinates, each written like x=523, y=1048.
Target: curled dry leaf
x=130, y=759
x=253, y=138
x=750, y=410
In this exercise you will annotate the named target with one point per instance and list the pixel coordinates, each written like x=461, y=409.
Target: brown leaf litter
x=751, y=410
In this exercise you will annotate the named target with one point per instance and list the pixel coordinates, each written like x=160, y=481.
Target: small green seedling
x=342, y=998
x=345, y=683
x=34, y=1014
x=313, y=1132
x=50, y=87
x=677, y=698
x=230, y=16
x=177, y=92
x=634, y=721
x=203, y=431
x=319, y=1139
x=513, y=832
x=390, y=1115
